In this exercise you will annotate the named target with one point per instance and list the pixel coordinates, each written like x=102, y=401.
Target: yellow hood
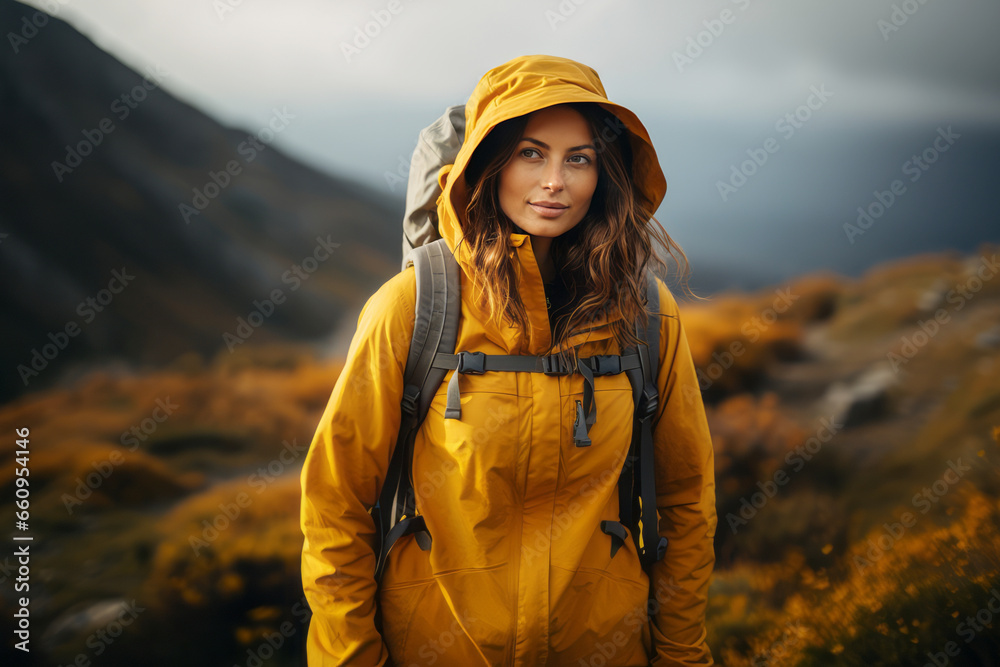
x=518, y=87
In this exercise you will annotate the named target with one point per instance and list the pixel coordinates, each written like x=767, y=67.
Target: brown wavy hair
x=603, y=259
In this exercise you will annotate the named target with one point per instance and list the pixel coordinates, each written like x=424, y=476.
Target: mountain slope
x=106, y=178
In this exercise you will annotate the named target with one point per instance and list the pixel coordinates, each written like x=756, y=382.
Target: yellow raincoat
x=519, y=572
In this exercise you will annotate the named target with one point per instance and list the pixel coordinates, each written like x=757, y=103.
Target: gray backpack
x=432, y=353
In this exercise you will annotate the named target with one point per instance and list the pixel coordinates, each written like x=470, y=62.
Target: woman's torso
x=519, y=571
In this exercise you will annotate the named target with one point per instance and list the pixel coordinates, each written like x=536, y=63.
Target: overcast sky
x=358, y=115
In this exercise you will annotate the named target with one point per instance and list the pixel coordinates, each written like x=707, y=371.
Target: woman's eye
x=526, y=151
x=583, y=159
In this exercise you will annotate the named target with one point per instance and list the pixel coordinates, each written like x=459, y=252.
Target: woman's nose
x=552, y=178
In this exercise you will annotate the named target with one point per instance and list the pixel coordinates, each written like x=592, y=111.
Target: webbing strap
x=606, y=364
x=410, y=525
x=653, y=547
x=652, y=337
x=627, y=483
x=588, y=410
x=393, y=497
x=477, y=363
x=637, y=482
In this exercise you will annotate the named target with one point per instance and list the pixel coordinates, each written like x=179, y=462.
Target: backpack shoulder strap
x=637, y=482
x=653, y=546
x=652, y=337
x=435, y=329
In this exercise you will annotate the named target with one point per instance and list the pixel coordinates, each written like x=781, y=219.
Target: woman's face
x=546, y=187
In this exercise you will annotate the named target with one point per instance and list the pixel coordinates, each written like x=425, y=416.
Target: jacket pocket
x=399, y=604
x=421, y=627
x=466, y=620
x=599, y=619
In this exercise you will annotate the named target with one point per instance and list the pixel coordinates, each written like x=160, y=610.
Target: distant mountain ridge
x=104, y=175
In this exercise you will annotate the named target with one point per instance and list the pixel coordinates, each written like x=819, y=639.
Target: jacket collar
x=533, y=296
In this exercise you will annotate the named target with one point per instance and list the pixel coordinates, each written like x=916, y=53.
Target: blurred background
x=197, y=197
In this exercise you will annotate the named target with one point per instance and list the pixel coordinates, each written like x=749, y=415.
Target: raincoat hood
x=519, y=87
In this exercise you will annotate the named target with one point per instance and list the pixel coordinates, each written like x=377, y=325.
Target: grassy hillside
x=880, y=412
x=858, y=498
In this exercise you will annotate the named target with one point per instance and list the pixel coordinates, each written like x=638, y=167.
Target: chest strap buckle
x=554, y=364
x=606, y=364
x=471, y=363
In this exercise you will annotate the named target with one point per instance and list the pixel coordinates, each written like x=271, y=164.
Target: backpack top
x=437, y=146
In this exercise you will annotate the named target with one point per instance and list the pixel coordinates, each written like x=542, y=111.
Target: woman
x=553, y=184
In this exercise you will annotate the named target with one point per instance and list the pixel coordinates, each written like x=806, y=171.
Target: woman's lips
x=548, y=211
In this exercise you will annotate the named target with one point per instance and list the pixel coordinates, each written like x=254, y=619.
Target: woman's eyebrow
x=546, y=146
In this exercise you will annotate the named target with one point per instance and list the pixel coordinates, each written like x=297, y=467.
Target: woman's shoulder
x=401, y=288
x=671, y=328
x=392, y=305
x=668, y=302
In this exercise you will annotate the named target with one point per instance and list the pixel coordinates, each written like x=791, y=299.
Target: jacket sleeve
x=685, y=498
x=341, y=479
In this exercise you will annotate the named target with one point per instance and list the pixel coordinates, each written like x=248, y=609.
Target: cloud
x=227, y=54
x=364, y=77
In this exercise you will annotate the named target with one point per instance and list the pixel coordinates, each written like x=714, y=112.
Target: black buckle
x=616, y=531
x=661, y=548
x=606, y=364
x=554, y=365
x=648, y=402
x=410, y=396
x=471, y=363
